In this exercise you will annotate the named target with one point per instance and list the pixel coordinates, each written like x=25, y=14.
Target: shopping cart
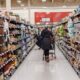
x=52, y=54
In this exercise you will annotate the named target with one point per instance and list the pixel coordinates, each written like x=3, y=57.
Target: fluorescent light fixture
x=44, y=0
x=18, y=1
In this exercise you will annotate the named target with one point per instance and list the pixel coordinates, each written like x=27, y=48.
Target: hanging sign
x=50, y=17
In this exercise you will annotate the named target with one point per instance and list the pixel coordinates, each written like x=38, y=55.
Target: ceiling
x=37, y=3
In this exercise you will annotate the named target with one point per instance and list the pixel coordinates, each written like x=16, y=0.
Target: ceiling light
x=18, y=1
x=43, y=0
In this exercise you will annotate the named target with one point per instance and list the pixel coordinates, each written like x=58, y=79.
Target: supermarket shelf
x=8, y=77
x=67, y=55
x=14, y=49
x=63, y=22
x=30, y=40
x=71, y=52
x=13, y=21
x=12, y=28
x=70, y=47
x=21, y=49
x=22, y=45
x=19, y=40
x=20, y=62
x=65, y=47
x=60, y=23
x=1, y=66
x=9, y=51
x=15, y=34
x=4, y=53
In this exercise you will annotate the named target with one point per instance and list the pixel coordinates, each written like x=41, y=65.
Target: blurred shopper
x=46, y=42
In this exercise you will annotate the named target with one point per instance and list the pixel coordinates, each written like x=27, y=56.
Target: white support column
x=8, y=4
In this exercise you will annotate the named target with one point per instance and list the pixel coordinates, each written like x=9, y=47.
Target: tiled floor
x=33, y=68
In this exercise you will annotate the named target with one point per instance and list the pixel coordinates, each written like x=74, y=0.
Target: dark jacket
x=39, y=39
x=46, y=41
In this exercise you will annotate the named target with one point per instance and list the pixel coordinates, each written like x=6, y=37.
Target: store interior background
x=19, y=18
x=27, y=8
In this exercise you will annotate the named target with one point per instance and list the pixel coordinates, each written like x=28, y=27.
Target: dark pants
x=46, y=52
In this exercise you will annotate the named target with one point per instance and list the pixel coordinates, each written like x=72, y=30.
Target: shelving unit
x=69, y=46
x=15, y=44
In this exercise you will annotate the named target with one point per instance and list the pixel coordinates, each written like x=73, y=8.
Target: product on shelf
x=13, y=43
x=70, y=43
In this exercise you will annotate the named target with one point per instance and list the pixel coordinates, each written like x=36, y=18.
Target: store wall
x=23, y=13
x=29, y=16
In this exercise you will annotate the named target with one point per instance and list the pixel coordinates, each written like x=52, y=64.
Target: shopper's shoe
x=54, y=57
x=43, y=57
x=47, y=58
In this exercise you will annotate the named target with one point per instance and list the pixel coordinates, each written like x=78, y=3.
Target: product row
x=68, y=39
x=16, y=40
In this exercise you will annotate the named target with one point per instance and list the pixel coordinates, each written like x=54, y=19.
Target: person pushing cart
x=46, y=41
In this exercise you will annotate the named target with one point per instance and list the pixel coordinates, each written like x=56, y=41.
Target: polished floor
x=34, y=68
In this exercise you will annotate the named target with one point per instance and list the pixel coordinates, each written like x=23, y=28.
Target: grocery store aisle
x=33, y=68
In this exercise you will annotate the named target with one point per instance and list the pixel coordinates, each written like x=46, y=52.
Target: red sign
x=51, y=16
